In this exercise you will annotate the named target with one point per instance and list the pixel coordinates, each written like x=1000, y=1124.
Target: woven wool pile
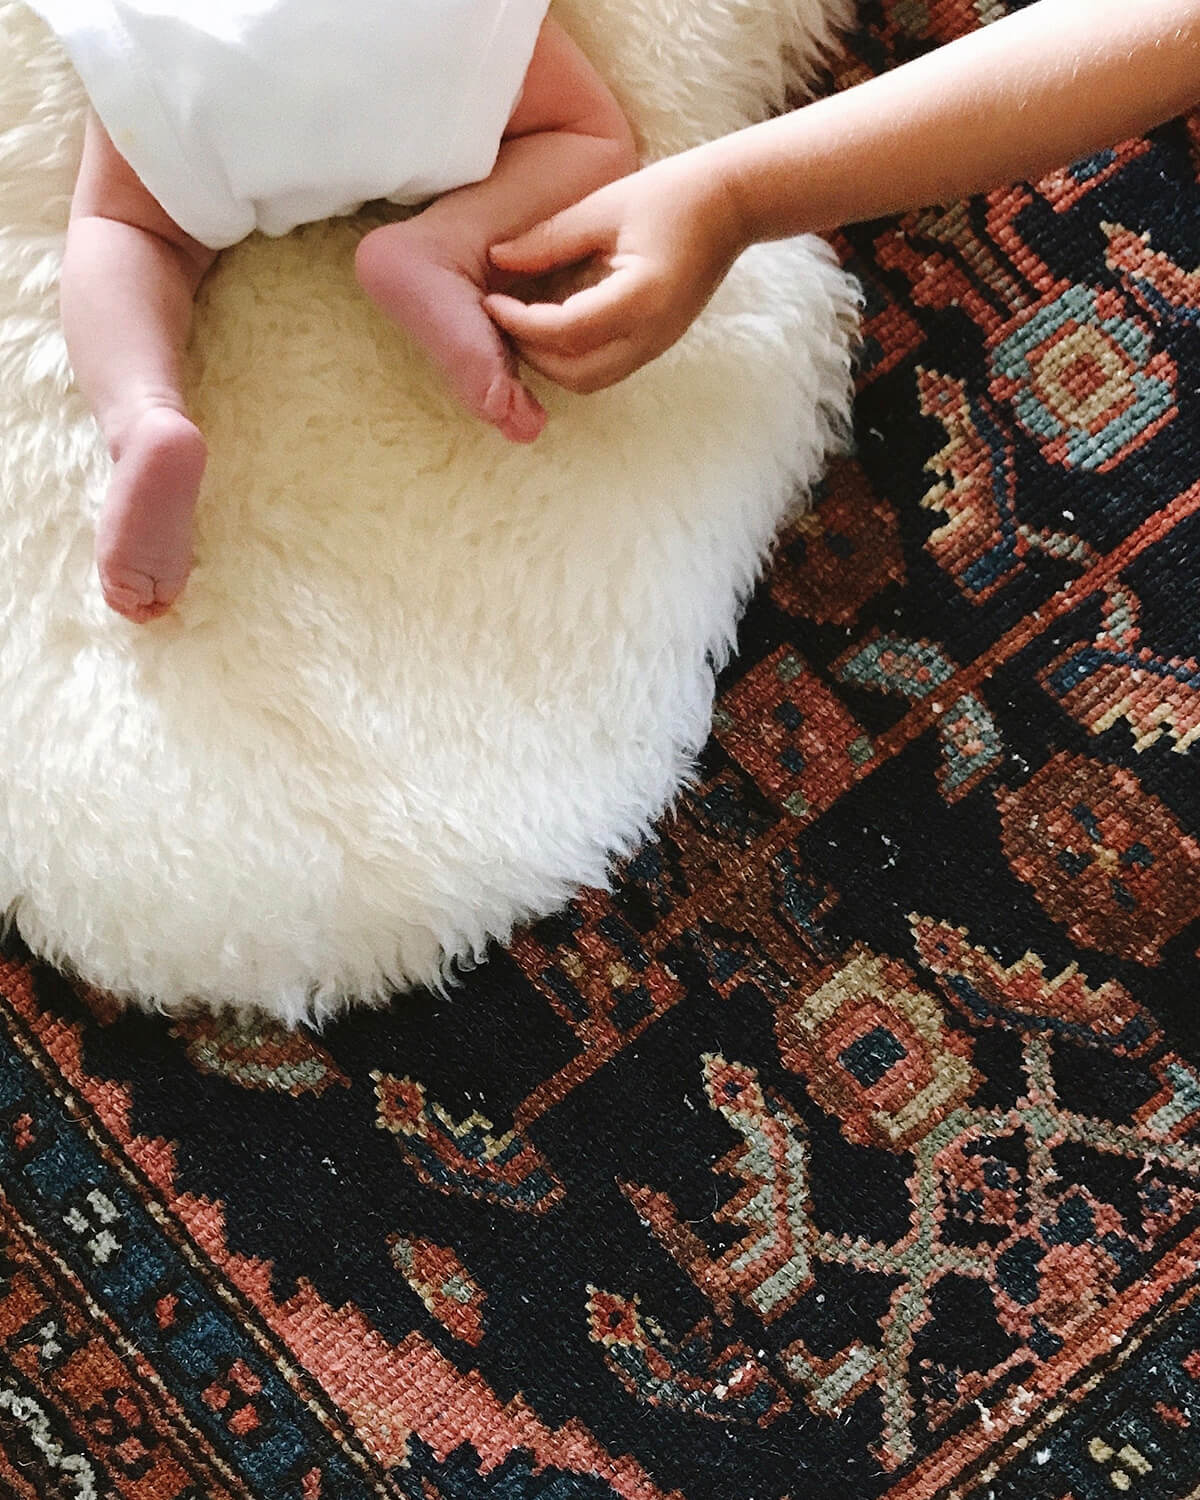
x=422, y=685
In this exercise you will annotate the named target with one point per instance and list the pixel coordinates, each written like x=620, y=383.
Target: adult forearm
x=1035, y=90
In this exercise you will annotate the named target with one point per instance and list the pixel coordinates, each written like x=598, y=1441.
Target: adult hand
x=662, y=238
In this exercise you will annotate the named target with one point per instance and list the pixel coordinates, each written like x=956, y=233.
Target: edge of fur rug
x=422, y=685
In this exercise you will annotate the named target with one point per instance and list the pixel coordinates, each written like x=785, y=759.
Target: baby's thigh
x=563, y=91
x=108, y=188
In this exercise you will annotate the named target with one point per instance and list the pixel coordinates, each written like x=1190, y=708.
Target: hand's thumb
x=559, y=241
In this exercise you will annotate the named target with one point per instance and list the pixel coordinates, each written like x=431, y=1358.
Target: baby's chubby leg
x=566, y=137
x=129, y=277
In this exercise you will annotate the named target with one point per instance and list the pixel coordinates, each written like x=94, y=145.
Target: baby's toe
x=509, y=407
x=136, y=595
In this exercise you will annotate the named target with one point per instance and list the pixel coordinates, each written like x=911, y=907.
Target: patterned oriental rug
x=851, y=1147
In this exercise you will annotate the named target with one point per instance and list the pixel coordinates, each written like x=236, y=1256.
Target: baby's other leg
x=129, y=278
x=566, y=137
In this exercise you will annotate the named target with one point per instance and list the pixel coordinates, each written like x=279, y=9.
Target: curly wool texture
x=422, y=685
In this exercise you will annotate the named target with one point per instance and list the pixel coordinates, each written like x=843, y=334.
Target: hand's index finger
x=555, y=242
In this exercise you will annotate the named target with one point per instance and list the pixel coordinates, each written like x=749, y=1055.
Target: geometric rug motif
x=849, y=1146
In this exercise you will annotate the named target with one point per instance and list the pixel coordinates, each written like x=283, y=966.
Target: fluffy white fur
x=422, y=684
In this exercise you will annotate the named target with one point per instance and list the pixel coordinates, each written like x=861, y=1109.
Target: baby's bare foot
x=431, y=288
x=144, y=535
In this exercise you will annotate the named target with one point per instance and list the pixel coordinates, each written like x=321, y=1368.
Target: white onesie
x=264, y=114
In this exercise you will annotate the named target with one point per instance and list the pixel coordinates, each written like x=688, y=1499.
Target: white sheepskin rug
x=423, y=684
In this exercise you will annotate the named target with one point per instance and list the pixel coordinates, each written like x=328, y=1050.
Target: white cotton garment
x=264, y=114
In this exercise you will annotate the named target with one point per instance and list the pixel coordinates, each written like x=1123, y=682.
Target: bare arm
x=1032, y=91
